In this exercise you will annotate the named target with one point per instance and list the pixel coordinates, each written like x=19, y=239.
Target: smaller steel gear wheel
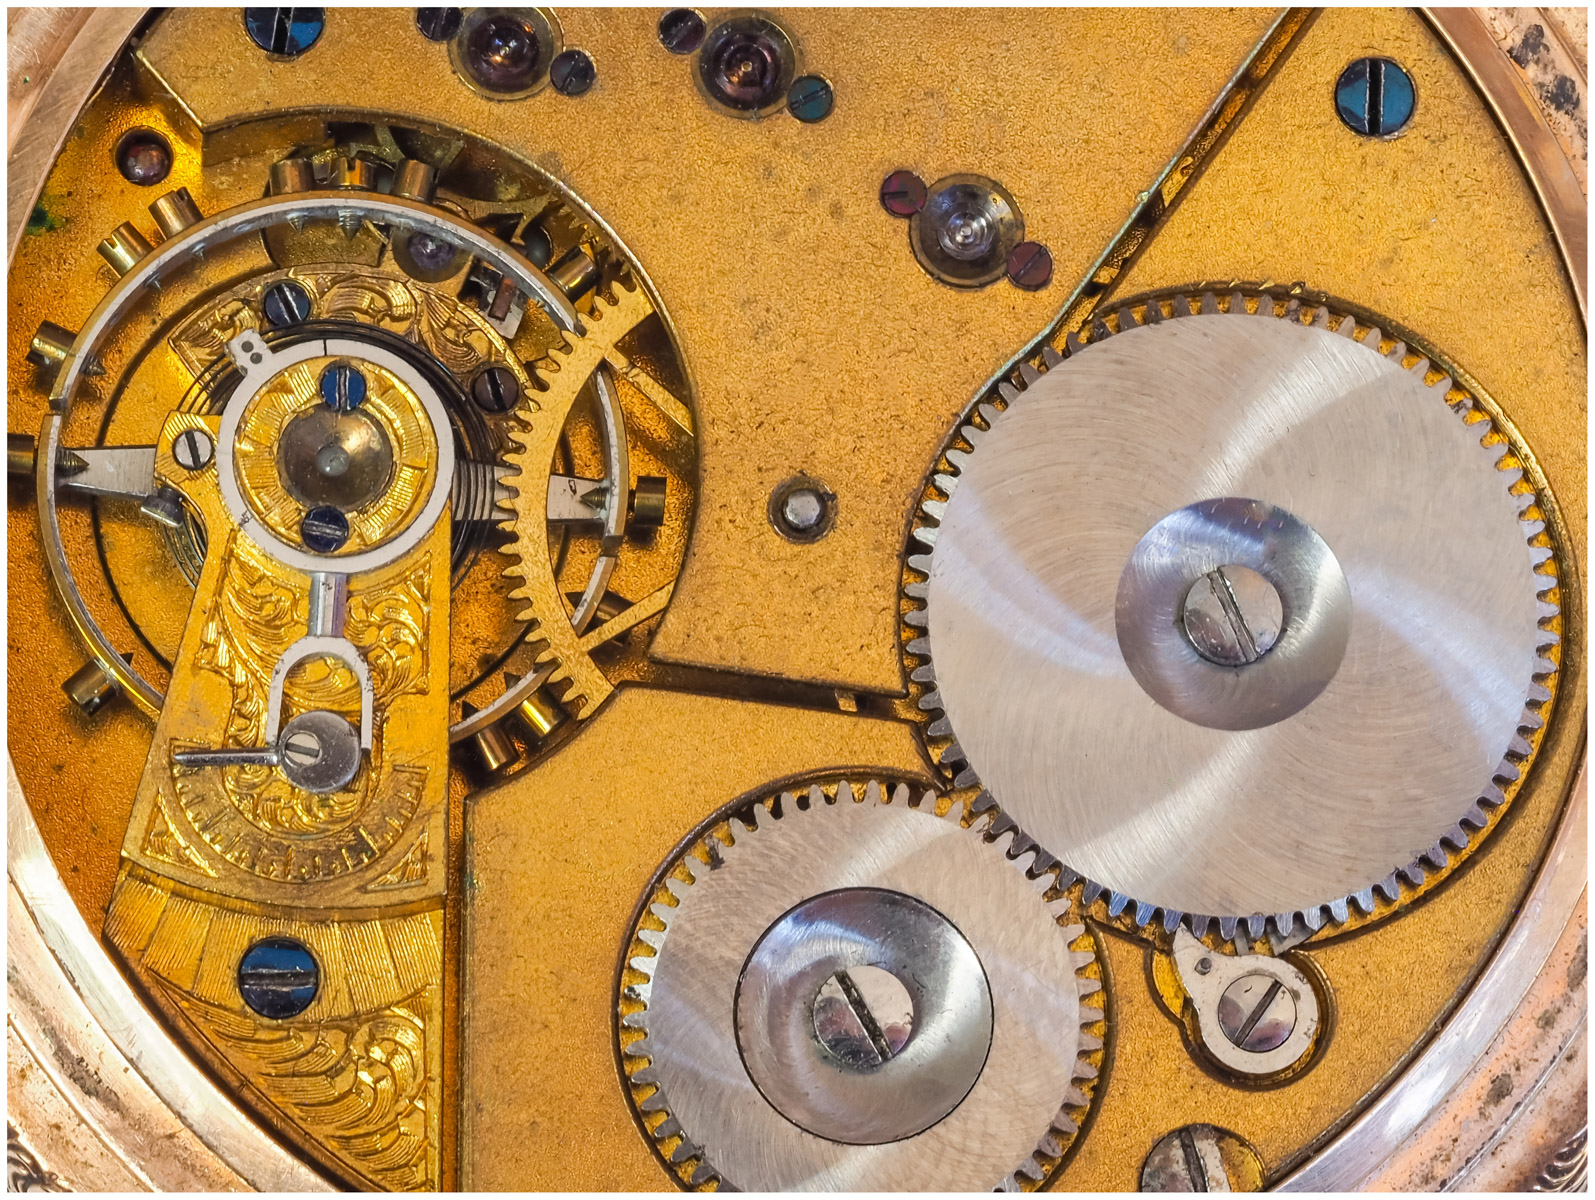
x=859, y=989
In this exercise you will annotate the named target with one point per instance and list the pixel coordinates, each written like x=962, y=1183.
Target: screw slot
x=681, y=31
x=902, y=193
x=810, y=99
x=1030, y=266
x=324, y=529
x=284, y=32
x=572, y=73
x=285, y=303
x=193, y=449
x=278, y=977
x=1232, y=615
x=438, y=24
x=495, y=389
x=1257, y=1013
x=863, y=1017
x=343, y=388
x=1375, y=97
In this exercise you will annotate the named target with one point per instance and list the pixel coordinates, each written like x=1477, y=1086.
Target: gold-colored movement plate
x=814, y=343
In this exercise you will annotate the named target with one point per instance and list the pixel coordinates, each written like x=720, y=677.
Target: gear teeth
x=702, y=1174
x=1002, y=833
x=654, y=1103
x=966, y=778
x=1523, y=495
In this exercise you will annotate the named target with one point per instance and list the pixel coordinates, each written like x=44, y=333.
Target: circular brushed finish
x=1024, y=579
x=1027, y=1078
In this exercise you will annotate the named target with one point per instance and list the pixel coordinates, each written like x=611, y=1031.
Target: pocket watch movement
x=866, y=599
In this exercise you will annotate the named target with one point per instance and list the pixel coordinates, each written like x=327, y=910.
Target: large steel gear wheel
x=1246, y=610
x=844, y=989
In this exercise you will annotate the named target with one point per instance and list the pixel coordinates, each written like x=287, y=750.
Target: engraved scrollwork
x=359, y=1085
x=252, y=815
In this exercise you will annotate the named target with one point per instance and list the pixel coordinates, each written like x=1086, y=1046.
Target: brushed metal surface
x=1037, y=1011
x=1437, y=668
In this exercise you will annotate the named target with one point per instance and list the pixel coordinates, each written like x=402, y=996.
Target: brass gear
x=561, y=660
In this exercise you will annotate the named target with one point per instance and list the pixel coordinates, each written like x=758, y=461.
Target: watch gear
x=1067, y=676
x=566, y=661
x=756, y=952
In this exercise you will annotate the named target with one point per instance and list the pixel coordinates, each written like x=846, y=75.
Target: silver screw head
x=1232, y=616
x=1257, y=1013
x=193, y=449
x=1201, y=1158
x=863, y=1017
x=319, y=751
x=802, y=509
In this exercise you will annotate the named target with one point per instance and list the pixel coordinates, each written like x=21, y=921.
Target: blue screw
x=324, y=529
x=1375, y=97
x=285, y=303
x=809, y=99
x=572, y=73
x=343, y=389
x=278, y=977
x=288, y=32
